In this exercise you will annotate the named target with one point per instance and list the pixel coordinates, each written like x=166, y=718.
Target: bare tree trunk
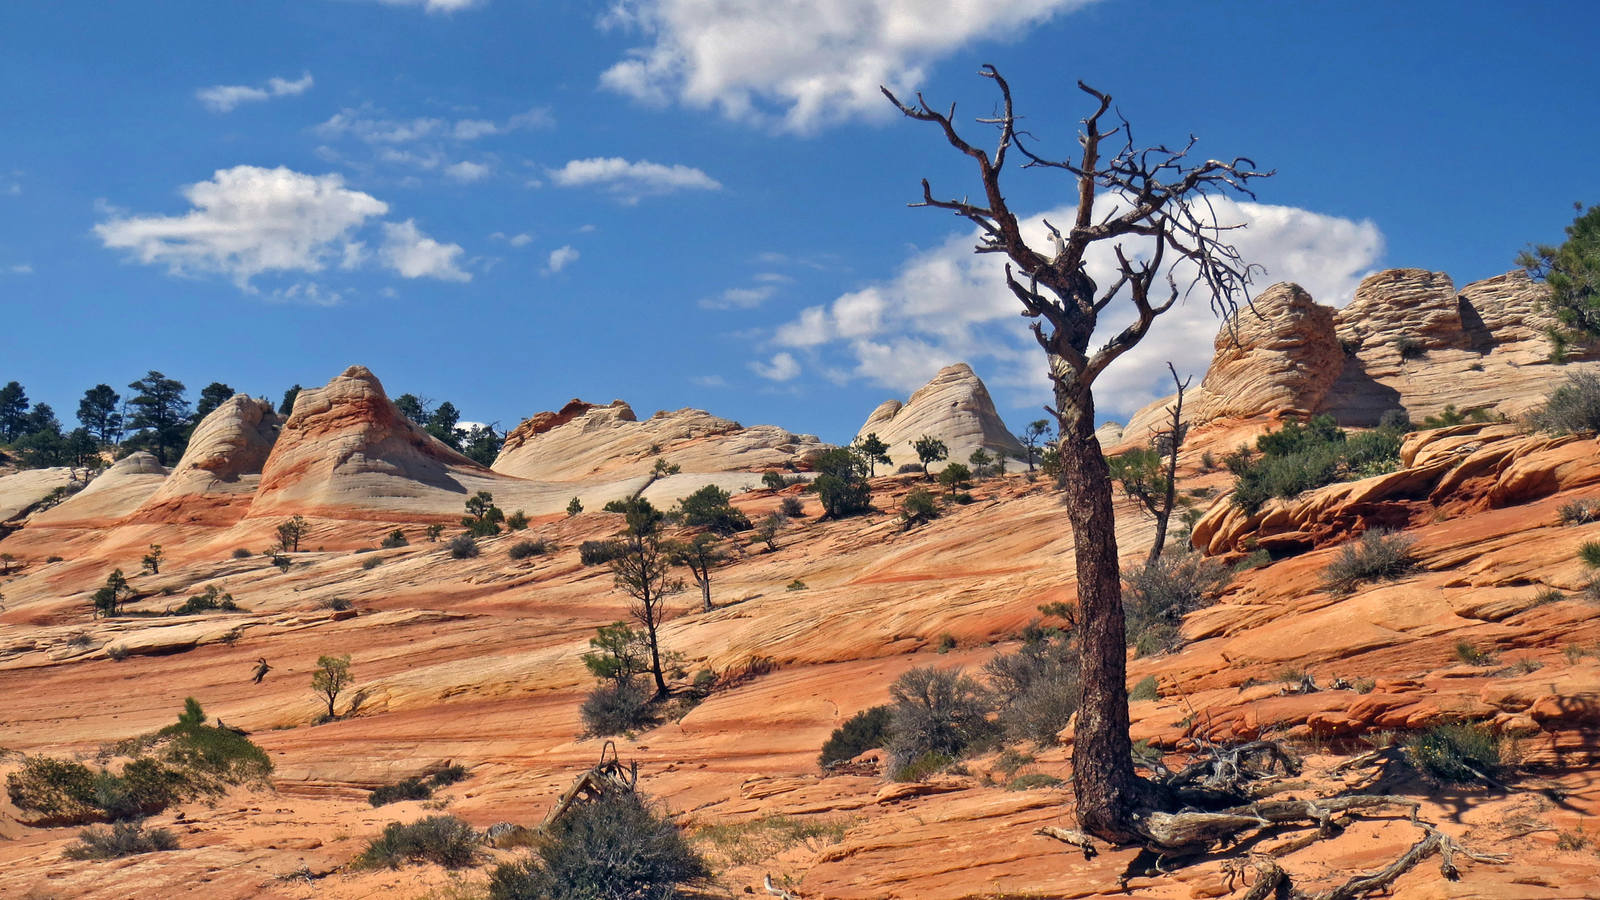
x=1175, y=440
x=1107, y=789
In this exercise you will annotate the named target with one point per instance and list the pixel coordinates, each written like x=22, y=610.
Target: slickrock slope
x=22, y=491
x=110, y=497
x=583, y=441
x=1409, y=340
x=955, y=407
x=216, y=479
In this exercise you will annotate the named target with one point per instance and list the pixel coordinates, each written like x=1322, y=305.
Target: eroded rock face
x=954, y=407
x=111, y=496
x=220, y=469
x=1396, y=305
x=347, y=445
x=583, y=440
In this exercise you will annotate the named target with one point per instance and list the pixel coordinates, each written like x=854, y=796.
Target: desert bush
x=1035, y=687
x=121, y=839
x=517, y=521
x=393, y=539
x=1455, y=754
x=792, y=507
x=210, y=600
x=1299, y=457
x=211, y=756
x=795, y=585
x=1161, y=593
x=861, y=732
x=1409, y=347
x=337, y=604
x=908, y=469
x=448, y=775
x=1472, y=656
x=1147, y=689
x=938, y=711
x=918, y=507
x=617, y=847
x=923, y=767
x=405, y=789
x=367, y=565
x=525, y=549
x=61, y=790
x=843, y=496
x=1589, y=554
x=463, y=546
x=598, y=553
x=241, y=553
x=1378, y=554
x=1032, y=780
x=1578, y=512
x=1573, y=407
x=444, y=840
x=617, y=707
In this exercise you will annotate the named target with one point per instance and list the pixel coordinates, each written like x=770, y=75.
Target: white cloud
x=560, y=258
x=20, y=269
x=434, y=6
x=468, y=172
x=370, y=126
x=415, y=255
x=520, y=240
x=801, y=64
x=632, y=180
x=782, y=368
x=739, y=298
x=308, y=292
x=248, y=220
x=224, y=98
x=709, y=381
x=948, y=304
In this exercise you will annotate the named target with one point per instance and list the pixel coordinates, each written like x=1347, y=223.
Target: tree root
x=1251, y=772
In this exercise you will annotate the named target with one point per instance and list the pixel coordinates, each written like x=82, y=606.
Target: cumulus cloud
x=248, y=220
x=560, y=258
x=224, y=98
x=948, y=304
x=801, y=64
x=783, y=367
x=632, y=180
x=415, y=255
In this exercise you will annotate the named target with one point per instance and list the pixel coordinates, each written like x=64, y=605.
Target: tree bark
x=1108, y=791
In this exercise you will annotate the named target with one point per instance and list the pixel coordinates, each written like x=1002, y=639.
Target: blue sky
x=694, y=203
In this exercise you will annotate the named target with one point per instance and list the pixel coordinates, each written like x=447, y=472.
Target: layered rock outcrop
x=584, y=441
x=346, y=446
x=954, y=407
x=111, y=496
x=1409, y=341
x=220, y=470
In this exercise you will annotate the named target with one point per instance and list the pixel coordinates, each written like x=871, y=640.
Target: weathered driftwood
x=608, y=776
x=1069, y=836
x=774, y=890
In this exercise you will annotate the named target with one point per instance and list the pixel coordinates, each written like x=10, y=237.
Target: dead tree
x=1173, y=441
x=1155, y=215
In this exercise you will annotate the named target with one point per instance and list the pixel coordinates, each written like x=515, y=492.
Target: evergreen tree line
x=157, y=416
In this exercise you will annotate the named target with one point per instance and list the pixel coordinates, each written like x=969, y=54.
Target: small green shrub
x=1573, y=407
x=1409, y=347
x=210, y=600
x=1147, y=689
x=1378, y=554
x=241, y=553
x=947, y=642
x=448, y=775
x=1472, y=656
x=1589, y=554
x=444, y=840
x=918, y=507
x=792, y=507
x=618, y=707
x=1031, y=781
x=1036, y=687
x=923, y=767
x=1363, y=685
x=367, y=565
x=866, y=730
x=394, y=539
x=1160, y=593
x=121, y=839
x=337, y=604
x=525, y=549
x=405, y=789
x=709, y=507
x=517, y=521
x=463, y=546
x=795, y=585
x=617, y=847
x=1455, y=754
x=598, y=553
